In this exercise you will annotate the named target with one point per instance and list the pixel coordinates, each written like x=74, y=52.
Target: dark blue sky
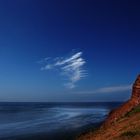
x=106, y=33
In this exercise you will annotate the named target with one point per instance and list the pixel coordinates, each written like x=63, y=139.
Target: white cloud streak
x=71, y=67
x=112, y=89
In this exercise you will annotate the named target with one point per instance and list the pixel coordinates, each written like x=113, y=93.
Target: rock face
x=126, y=107
x=136, y=91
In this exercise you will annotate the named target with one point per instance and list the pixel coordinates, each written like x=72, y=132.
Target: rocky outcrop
x=122, y=123
x=127, y=128
x=126, y=107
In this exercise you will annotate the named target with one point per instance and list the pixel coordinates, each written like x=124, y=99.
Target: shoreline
x=122, y=123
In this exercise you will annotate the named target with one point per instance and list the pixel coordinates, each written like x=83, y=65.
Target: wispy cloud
x=112, y=89
x=71, y=67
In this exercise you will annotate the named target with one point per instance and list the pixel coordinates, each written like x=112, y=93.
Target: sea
x=51, y=121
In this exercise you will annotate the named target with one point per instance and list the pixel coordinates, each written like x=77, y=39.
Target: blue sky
x=68, y=50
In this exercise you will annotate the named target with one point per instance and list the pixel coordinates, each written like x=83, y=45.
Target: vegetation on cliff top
x=133, y=111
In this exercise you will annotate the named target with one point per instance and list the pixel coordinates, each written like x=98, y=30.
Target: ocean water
x=50, y=121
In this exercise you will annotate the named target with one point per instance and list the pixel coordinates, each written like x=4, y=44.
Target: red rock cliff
x=126, y=107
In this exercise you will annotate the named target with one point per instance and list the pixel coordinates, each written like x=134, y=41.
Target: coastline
x=122, y=123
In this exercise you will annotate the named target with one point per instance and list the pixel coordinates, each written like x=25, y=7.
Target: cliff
x=122, y=123
x=126, y=107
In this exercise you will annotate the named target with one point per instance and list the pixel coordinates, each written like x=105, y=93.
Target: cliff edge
x=126, y=107
x=122, y=123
